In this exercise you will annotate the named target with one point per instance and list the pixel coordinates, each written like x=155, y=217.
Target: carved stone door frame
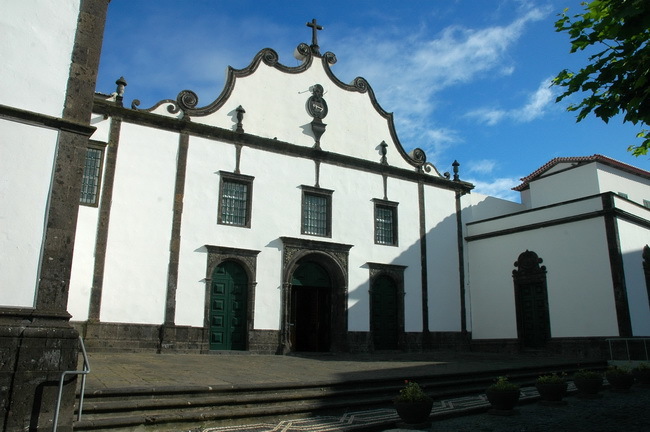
x=531, y=301
x=333, y=257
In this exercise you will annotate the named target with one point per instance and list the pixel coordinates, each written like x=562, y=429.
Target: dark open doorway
x=531, y=300
x=310, y=314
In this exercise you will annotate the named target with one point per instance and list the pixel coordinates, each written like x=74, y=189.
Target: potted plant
x=588, y=382
x=503, y=395
x=642, y=374
x=551, y=387
x=413, y=405
x=619, y=378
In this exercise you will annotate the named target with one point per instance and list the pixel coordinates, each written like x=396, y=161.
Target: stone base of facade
x=591, y=348
x=35, y=348
x=124, y=337
x=361, y=342
x=264, y=341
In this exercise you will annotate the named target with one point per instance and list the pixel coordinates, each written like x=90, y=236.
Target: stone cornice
x=149, y=119
x=44, y=120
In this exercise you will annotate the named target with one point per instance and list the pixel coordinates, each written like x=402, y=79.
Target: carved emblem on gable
x=317, y=108
x=316, y=105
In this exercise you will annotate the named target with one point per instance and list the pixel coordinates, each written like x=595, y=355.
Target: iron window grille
x=235, y=200
x=316, y=211
x=91, y=180
x=385, y=222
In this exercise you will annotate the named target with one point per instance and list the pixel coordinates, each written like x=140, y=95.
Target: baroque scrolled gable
x=187, y=105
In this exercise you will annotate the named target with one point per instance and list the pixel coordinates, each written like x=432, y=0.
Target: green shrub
x=587, y=374
x=502, y=384
x=616, y=370
x=643, y=367
x=412, y=392
x=553, y=378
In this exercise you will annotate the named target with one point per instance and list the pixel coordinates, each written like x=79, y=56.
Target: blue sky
x=465, y=79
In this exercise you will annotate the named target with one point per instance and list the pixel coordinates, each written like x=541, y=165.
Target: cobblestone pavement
x=613, y=412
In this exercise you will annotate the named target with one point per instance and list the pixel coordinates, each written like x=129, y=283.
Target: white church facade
x=286, y=216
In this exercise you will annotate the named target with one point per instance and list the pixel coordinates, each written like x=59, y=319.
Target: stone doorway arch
x=315, y=275
x=531, y=301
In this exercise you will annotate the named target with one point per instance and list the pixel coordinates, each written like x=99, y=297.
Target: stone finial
x=455, y=165
x=121, y=84
x=240, y=117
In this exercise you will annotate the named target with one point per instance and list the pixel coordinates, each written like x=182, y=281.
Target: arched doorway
x=384, y=313
x=228, y=307
x=311, y=308
x=531, y=300
x=329, y=261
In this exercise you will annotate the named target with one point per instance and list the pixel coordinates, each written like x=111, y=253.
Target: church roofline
x=578, y=161
x=187, y=100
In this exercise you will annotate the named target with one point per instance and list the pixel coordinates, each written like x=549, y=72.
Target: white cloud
x=438, y=141
x=488, y=116
x=408, y=70
x=484, y=166
x=498, y=187
x=537, y=104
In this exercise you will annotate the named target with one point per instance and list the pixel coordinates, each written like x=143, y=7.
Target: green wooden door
x=228, y=307
x=384, y=314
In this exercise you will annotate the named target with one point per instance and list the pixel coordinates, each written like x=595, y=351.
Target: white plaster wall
x=408, y=253
x=541, y=215
x=102, y=125
x=352, y=216
x=442, y=260
x=574, y=183
x=83, y=262
x=139, y=231
x=633, y=238
x=275, y=105
x=353, y=223
x=37, y=39
x=477, y=207
x=525, y=198
x=26, y=164
x=613, y=180
x=275, y=212
x=580, y=293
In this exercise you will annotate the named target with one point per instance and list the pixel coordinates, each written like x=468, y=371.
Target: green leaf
x=616, y=77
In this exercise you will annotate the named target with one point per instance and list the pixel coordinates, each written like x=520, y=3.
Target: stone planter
x=414, y=412
x=552, y=392
x=620, y=381
x=642, y=376
x=588, y=387
x=502, y=400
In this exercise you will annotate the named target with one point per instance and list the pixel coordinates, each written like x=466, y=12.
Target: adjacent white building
x=584, y=224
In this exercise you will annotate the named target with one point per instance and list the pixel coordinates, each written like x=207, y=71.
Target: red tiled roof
x=580, y=160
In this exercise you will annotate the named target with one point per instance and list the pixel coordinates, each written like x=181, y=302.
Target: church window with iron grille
x=235, y=200
x=385, y=222
x=316, y=212
x=90, y=183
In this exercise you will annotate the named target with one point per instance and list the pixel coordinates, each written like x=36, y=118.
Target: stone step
x=168, y=408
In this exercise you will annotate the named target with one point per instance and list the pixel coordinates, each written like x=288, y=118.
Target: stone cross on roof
x=314, y=36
